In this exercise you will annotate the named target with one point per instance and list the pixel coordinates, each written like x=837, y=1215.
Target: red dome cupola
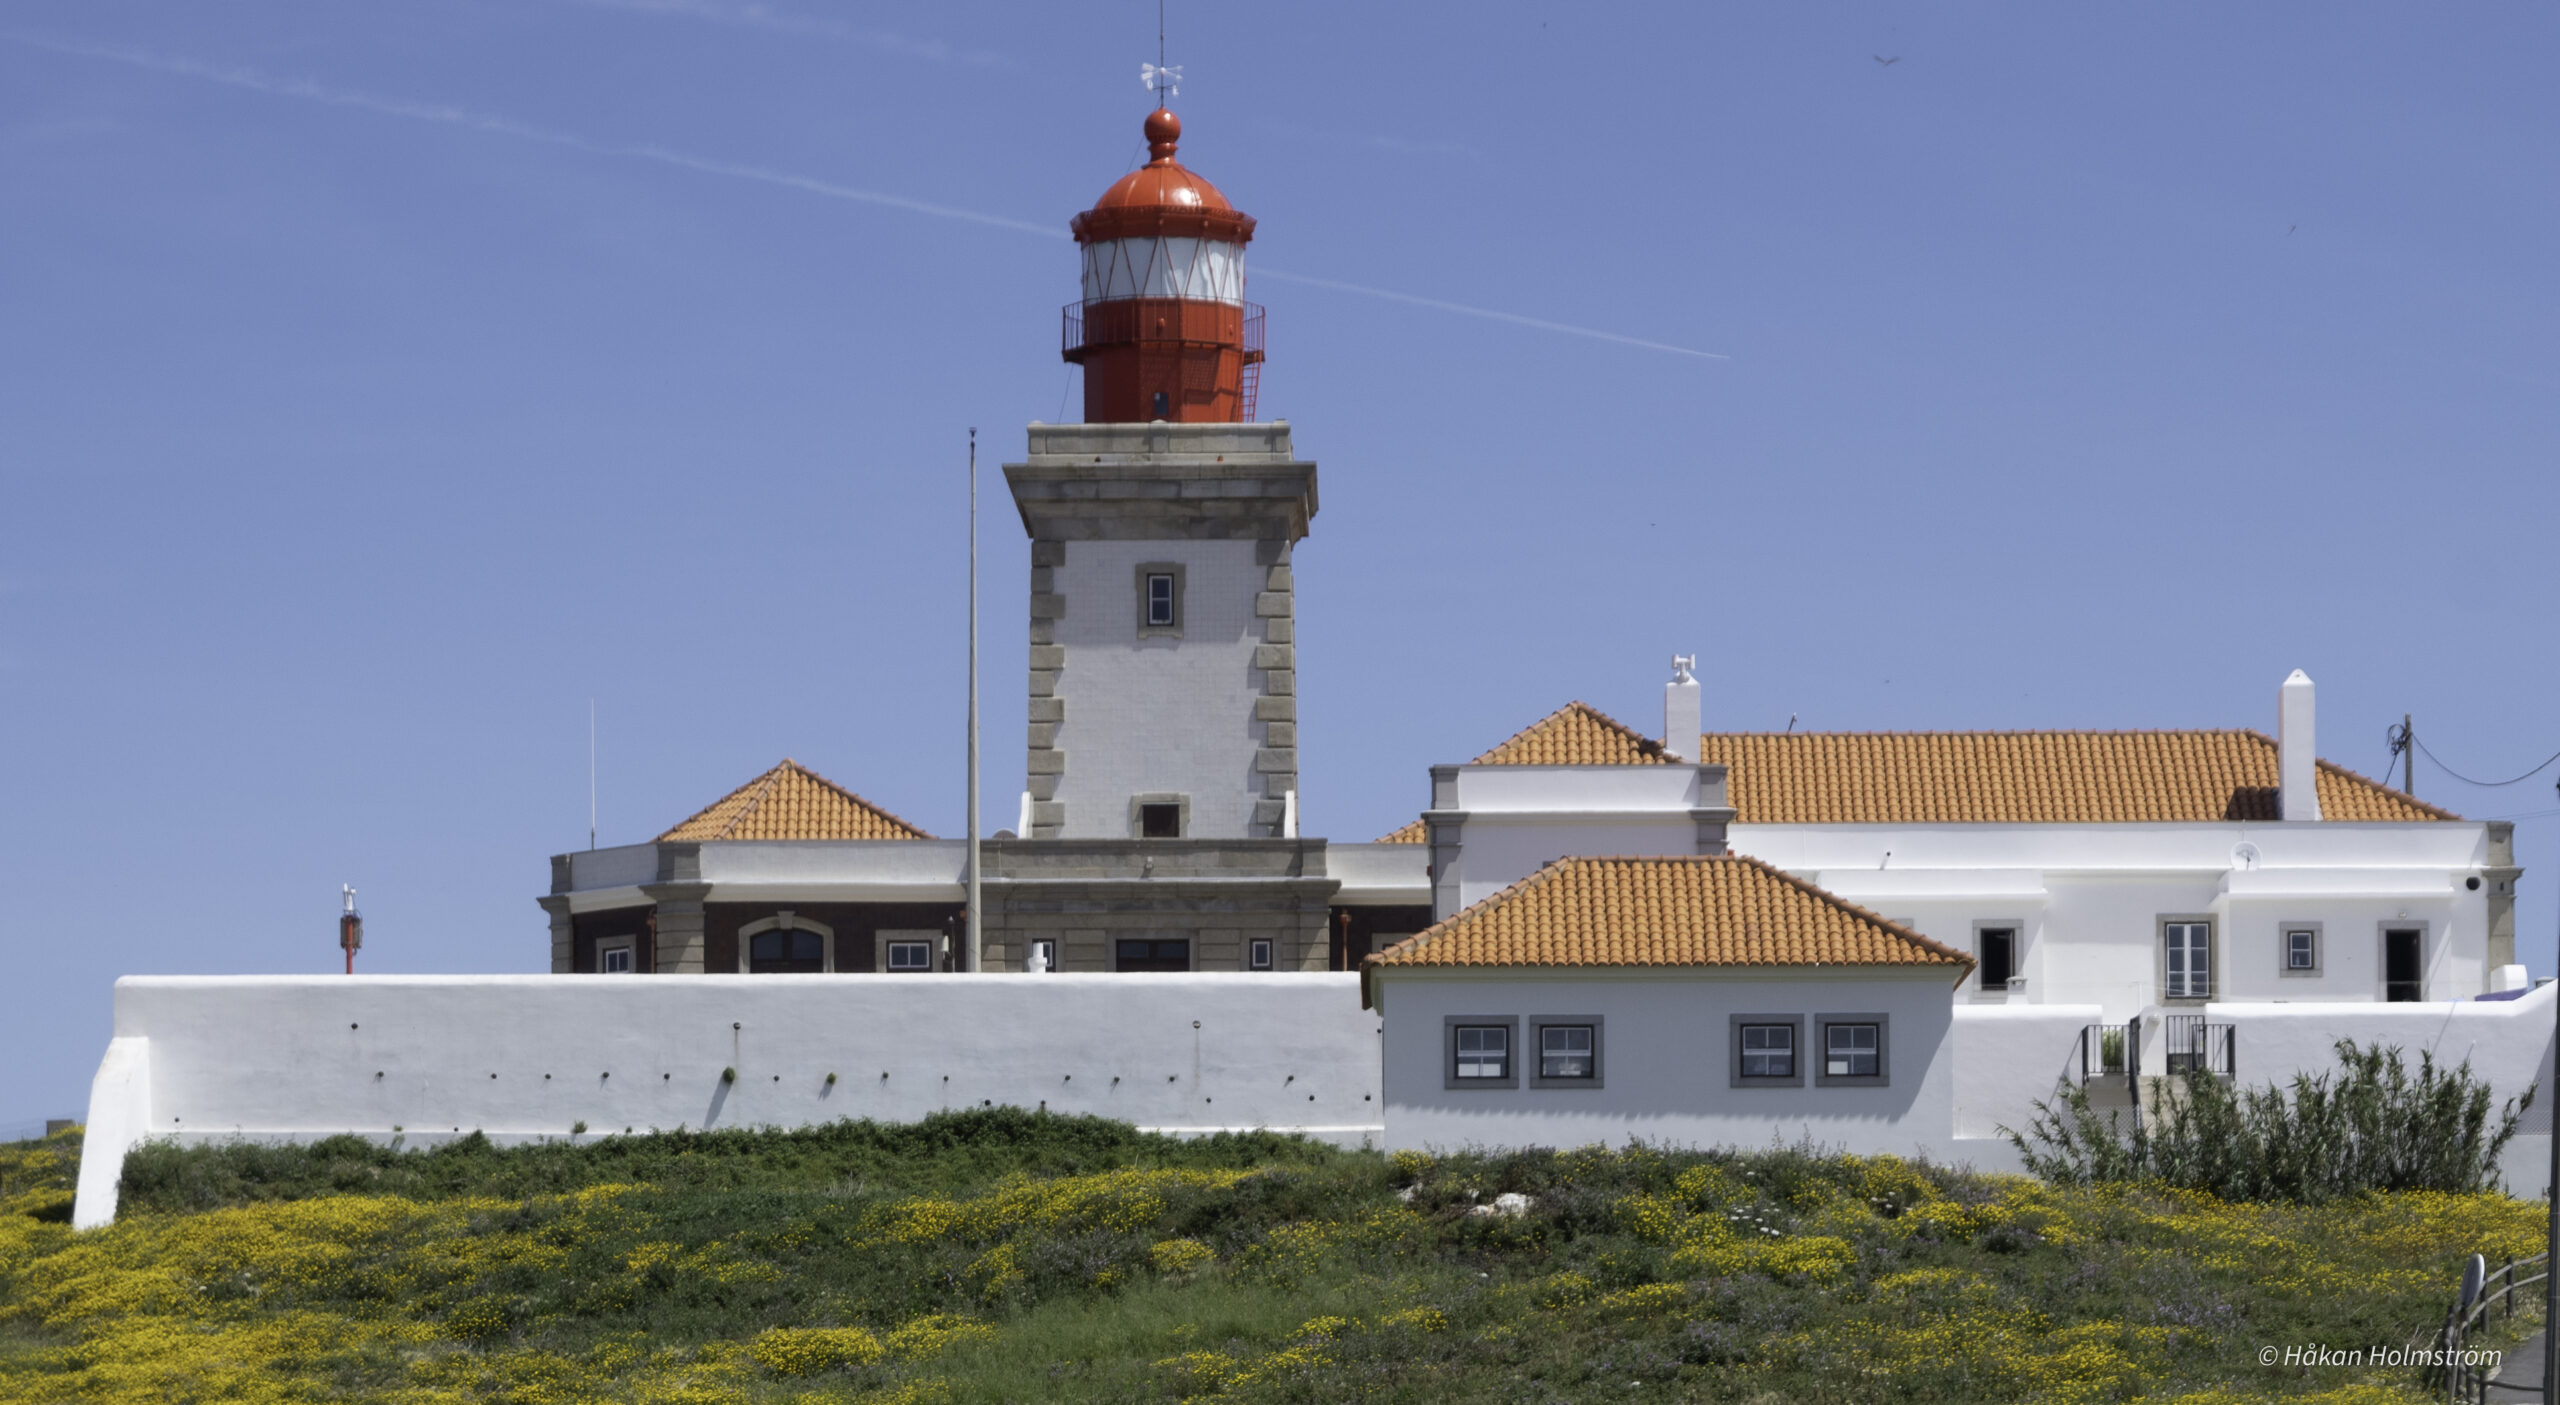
x=1163, y=331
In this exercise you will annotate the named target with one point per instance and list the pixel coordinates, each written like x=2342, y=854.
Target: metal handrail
x=2461, y=1380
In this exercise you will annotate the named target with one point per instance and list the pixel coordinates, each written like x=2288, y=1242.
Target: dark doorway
x=2400, y=977
x=1999, y=955
x=786, y=951
x=1152, y=954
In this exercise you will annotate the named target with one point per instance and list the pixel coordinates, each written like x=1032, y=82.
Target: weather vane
x=1161, y=79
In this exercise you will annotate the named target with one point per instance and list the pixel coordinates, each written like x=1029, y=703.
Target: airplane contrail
x=446, y=115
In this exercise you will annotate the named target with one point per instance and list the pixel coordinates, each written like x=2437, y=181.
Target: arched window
x=784, y=943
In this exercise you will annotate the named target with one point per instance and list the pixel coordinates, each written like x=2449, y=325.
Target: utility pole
x=2408, y=758
x=977, y=944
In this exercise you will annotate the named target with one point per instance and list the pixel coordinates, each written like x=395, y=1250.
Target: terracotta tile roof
x=1576, y=734
x=1408, y=834
x=793, y=802
x=1721, y=911
x=2026, y=778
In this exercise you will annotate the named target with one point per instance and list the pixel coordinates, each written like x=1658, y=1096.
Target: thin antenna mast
x=977, y=943
x=591, y=774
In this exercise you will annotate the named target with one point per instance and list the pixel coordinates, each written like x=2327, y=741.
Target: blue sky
x=381, y=383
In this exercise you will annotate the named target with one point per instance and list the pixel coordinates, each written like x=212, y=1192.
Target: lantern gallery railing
x=1085, y=326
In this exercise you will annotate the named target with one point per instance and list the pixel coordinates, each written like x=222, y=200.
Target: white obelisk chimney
x=2297, y=762
x=1680, y=713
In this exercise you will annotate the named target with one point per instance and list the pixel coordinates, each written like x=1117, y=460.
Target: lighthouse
x=1162, y=328
x=1162, y=687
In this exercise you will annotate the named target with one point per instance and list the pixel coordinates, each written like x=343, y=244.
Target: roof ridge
x=764, y=785
x=856, y=798
x=1522, y=888
x=2394, y=791
x=1519, y=885
x=1645, y=744
x=2021, y=732
x=1826, y=895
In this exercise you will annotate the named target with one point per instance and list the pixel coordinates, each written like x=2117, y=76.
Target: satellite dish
x=2244, y=856
x=2475, y=1273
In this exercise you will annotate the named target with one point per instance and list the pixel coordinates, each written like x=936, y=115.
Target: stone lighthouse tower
x=1163, y=678
x=1160, y=802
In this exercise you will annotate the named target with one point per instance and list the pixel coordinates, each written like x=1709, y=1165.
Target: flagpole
x=977, y=943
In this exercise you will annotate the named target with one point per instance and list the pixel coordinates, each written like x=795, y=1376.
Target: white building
x=2126, y=870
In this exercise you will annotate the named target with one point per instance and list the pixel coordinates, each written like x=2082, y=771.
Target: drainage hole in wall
x=493, y=1075
x=546, y=1078
x=777, y=1078
x=351, y=1023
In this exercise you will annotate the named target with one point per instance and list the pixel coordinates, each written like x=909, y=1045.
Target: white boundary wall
x=296, y=1058
x=2508, y=1044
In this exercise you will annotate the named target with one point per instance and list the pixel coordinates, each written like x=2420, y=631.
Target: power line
x=2466, y=780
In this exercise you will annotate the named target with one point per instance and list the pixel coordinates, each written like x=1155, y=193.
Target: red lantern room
x=1163, y=331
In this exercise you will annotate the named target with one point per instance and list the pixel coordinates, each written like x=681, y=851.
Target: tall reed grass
x=2368, y=1125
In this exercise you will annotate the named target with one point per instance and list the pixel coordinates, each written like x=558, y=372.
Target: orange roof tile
x=792, y=802
x=1576, y=734
x=1407, y=834
x=1719, y=911
x=2026, y=778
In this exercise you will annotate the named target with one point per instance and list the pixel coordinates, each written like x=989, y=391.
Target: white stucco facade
x=1159, y=713
x=2088, y=900
x=529, y=1057
x=1666, y=1058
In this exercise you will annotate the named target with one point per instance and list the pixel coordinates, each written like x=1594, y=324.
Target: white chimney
x=2297, y=760
x=1680, y=715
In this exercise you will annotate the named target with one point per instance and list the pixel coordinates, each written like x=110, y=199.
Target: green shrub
x=2368, y=1126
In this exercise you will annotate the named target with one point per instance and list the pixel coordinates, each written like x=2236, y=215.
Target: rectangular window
x=1768, y=1051
x=614, y=960
x=1997, y=948
x=1159, y=821
x=1850, y=1051
x=1160, y=599
x=1258, y=954
x=1476, y=1052
x=1853, y=1049
x=2301, y=950
x=2186, y=960
x=1484, y=1051
x=1566, y=1051
x=910, y=956
x=1152, y=953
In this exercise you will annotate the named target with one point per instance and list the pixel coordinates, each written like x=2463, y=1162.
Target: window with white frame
x=2186, y=970
x=1160, y=598
x=911, y=956
x=1484, y=1051
x=614, y=958
x=2301, y=948
x=1258, y=954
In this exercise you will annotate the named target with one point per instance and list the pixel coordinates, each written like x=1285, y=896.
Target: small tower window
x=1160, y=599
x=1160, y=821
x=1164, y=405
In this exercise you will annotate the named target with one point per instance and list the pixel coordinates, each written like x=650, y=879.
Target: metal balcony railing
x=2194, y=1046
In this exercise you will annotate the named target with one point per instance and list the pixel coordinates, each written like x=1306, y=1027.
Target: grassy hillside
x=1005, y=1256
